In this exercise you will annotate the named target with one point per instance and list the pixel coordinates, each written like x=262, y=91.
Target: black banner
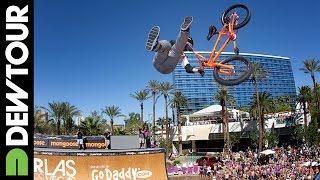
x=70, y=143
x=16, y=147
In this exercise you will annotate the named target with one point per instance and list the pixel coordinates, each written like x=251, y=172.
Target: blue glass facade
x=201, y=90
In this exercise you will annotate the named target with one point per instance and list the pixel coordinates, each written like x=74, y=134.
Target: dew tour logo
x=17, y=93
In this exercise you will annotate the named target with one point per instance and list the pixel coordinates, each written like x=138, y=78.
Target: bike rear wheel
x=242, y=11
x=241, y=72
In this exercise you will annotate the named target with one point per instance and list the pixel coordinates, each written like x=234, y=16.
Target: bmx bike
x=234, y=69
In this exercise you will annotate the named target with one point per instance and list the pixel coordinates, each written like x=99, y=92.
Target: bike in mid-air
x=235, y=69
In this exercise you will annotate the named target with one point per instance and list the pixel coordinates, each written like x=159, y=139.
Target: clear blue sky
x=92, y=53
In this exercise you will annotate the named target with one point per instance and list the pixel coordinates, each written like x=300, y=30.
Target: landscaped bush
x=185, y=151
x=175, y=162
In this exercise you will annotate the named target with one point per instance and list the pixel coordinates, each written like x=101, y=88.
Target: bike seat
x=212, y=31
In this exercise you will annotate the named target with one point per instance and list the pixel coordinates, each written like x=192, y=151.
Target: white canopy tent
x=207, y=111
x=216, y=110
x=267, y=151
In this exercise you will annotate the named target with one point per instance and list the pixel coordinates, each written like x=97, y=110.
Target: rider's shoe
x=212, y=31
x=186, y=23
x=152, y=40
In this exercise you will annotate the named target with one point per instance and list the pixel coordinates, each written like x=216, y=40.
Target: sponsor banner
x=16, y=69
x=69, y=143
x=109, y=152
x=72, y=143
x=130, y=167
x=38, y=142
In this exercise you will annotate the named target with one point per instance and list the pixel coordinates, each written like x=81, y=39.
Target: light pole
x=153, y=125
x=150, y=116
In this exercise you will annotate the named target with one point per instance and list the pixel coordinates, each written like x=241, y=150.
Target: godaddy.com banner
x=117, y=167
x=16, y=71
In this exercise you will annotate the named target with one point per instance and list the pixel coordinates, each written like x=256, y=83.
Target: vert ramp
x=99, y=164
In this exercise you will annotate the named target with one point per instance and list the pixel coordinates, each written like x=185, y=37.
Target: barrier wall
x=125, y=142
x=69, y=142
x=71, y=164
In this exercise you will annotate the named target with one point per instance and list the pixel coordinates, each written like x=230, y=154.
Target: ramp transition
x=99, y=164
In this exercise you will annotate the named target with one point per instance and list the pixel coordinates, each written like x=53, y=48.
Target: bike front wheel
x=241, y=72
x=243, y=13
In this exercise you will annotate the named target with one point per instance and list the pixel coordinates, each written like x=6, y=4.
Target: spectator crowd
x=285, y=163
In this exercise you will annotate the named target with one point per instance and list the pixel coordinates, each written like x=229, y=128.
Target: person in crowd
x=154, y=145
x=107, y=135
x=316, y=170
x=147, y=135
x=141, y=138
x=80, y=139
x=85, y=141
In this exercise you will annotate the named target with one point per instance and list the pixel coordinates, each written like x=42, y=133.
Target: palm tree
x=304, y=98
x=120, y=131
x=98, y=116
x=169, y=123
x=258, y=74
x=55, y=112
x=69, y=112
x=112, y=112
x=41, y=122
x=161, y=122
x=164, y=89
x=266, y=103
x=133, y=123
x=281, y=99
x=224, y=98
x=141, y=96
x=172, y=106
x=266, y=106
x=311, y=66
x=91, y=126
x=178, y=101
x=153, y=86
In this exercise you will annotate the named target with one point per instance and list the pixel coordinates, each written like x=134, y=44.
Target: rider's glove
x=201, y=71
